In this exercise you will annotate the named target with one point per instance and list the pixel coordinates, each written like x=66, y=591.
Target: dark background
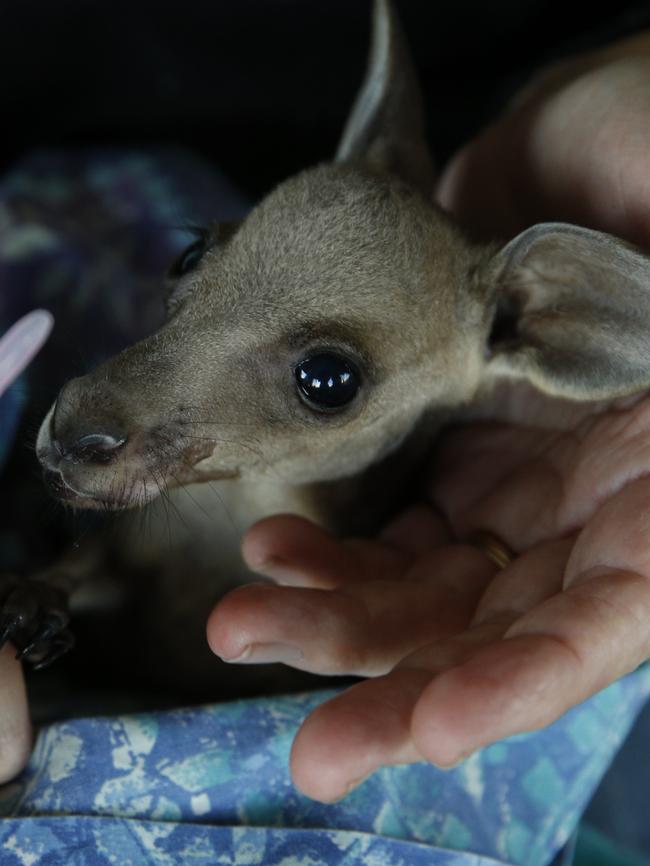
x=261, y=87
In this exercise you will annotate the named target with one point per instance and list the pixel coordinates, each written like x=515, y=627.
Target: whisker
x=170, y=504
x=193, y=499
x=164, y=499
x=175, y=449
x=236, y=529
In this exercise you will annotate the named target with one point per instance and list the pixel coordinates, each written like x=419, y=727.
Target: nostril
x=57, y=486
x=94, y=448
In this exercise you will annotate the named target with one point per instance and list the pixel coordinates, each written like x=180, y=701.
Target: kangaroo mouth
x=140, y=473
x=121, y=494
x=59, y=487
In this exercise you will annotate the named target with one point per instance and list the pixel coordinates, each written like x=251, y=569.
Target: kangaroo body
x=310, y=355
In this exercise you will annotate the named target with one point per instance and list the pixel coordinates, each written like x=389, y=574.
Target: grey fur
x=353, y=256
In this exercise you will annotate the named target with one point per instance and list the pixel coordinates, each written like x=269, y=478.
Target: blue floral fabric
x=211, y=785
x=213, y=782
x=82, y=840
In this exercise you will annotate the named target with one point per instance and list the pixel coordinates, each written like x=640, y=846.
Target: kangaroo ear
x=572, y=312
x=385, y=129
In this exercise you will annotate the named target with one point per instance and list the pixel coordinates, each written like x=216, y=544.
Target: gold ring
x=497, y=551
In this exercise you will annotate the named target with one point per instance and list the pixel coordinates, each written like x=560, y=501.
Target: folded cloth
x=133, y=782
x=90, y=841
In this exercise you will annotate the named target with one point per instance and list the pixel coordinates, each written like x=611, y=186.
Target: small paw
x=34, y=616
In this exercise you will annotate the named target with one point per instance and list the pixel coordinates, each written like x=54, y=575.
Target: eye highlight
x=327, y=381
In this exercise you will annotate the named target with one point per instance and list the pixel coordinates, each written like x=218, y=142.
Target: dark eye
x=327, y=381
x=189, y=258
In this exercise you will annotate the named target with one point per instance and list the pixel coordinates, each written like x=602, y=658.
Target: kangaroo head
x=309, y=340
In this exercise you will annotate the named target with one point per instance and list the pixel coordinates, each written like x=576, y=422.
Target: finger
x=21, y=342
x=416, y=531
x=560, y=651
x=369, y=725
x=556, y=655
x=310, y=629
x=348, y=738
x=500, y=478
x=473, y=460
x=562, y=483
x=15, y=727
x=533, y=577
x=478, y=174
x=363, y=629
x=522, y=510
x=293, y=551
x=616, y=537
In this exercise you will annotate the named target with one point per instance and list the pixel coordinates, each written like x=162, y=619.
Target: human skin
x=17, y=347
x=459, y=653
x=15, y=725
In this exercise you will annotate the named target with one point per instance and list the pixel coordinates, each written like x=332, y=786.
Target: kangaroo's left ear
x=385, y=129
x=572, y=312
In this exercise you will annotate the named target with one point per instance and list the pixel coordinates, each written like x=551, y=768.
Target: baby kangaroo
x=309, y=356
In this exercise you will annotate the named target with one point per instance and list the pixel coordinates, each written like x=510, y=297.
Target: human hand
x=572, y=148
x=459, y=653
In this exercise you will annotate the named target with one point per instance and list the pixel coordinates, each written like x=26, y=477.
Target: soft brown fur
x=352, y=256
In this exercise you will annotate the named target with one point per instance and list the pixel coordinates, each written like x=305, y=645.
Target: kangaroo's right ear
x=572, y=312
x=385, y=129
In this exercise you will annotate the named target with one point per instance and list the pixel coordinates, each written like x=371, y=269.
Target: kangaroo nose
x=91, y=448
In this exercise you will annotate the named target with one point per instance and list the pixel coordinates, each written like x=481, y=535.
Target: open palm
x=460, y=653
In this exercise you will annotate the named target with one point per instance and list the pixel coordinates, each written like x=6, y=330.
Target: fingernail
x=349, y=788
x=279, y=572
x=356, y=782
x=457, y=761
x=266, y=653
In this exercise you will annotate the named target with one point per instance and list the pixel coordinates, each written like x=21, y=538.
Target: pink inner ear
x=20, y=343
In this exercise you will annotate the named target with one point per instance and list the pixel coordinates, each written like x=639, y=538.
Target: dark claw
x=21, y=604
x=34, y=617
x=43, y=635
x=59, y=646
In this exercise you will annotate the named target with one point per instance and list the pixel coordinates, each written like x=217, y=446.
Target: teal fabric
x=594, y=849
